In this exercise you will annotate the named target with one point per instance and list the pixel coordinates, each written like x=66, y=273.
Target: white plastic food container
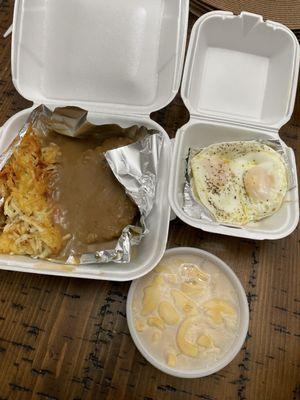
x=239, y=83
x=120, y=60
x=241, y=332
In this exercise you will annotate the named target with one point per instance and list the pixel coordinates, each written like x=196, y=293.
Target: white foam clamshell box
x=239, y=83
x=122, y=60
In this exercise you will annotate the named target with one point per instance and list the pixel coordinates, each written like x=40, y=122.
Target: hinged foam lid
x=123, y=56
x=241, y=69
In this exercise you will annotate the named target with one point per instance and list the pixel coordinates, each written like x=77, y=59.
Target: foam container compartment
x=239, y=83
x=118, y=60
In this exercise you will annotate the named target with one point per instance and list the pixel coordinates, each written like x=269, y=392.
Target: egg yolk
x=258, y=183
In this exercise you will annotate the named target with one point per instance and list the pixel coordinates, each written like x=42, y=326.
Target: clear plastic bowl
x=241, y=333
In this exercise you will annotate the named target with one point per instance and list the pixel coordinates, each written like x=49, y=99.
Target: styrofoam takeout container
x=120, y=60
x=239, y=83
x=242, y=329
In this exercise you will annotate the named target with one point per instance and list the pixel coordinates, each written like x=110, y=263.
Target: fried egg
x=239, y=182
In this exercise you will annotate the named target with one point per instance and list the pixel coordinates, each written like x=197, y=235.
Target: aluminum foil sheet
x=135, y=166
x=195, y=209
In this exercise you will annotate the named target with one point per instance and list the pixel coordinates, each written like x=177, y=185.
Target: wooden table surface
x=66, y=338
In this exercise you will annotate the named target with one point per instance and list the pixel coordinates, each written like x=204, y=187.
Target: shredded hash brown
x=27, y=225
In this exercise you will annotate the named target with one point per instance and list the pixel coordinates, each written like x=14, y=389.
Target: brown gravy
x=91, y=205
